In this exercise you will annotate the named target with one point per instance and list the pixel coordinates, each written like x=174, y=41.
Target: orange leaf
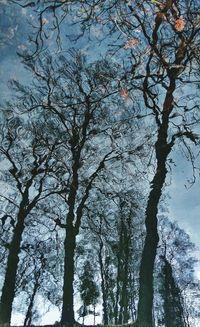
x=180, y=24
x=124, y=93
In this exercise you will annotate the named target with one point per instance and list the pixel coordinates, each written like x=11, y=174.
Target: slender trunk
x=67, y=316
x=120, y=252
x=103, y=288
x=117, y=299
x=148, y=256
x=8, y=290
x=72, y=225
x=28, y=318
x=132, y=295
x=94, y=314
x=162, y=148
x=169, y=321
x=123, y=317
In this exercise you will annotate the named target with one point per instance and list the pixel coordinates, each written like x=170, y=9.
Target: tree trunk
x=169, y=319
x=123, y=263
x=124, y=316
x=8, y=290
x=148, y=256
x=83, y=320
x=119, y=279
x=94, y=315
x=29, y=313
x=67, y=316
x=103, y=287
x=162, y=148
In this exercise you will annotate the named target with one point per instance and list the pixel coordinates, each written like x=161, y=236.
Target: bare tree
x=28, y=174
x=75, y=99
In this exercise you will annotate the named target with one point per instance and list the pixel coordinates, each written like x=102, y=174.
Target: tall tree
x=172, y=70
x=74, y=98
x=28, y=174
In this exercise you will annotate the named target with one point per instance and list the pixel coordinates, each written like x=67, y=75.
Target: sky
x=183, y=203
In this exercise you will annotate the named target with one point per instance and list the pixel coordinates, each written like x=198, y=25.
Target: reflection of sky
x=13, y=38
x=184, y=204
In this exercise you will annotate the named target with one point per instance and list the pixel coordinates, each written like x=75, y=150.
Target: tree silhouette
x=23, y=175
x=71, y=98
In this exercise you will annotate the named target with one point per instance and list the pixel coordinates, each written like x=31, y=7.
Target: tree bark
x=123, y=263
x=8, y=290
x=124, y=302
x=67, y=316
x=145, y=304
x=162, y=149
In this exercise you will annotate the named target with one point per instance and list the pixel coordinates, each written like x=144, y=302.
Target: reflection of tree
x=116, y=19
x=71, y=99
x=167, y=48
x=24, y=176
x=167, y=80
x=116, y=241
